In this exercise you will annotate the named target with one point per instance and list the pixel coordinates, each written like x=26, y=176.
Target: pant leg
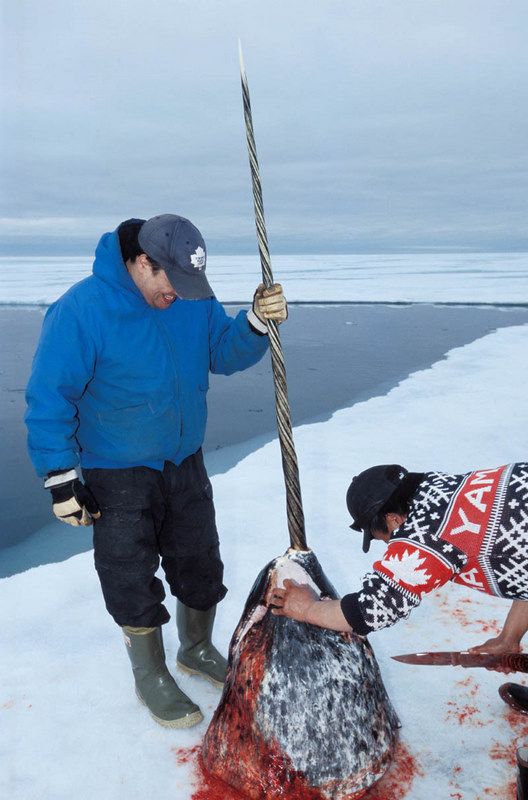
x=188, y=540
x=126, y=543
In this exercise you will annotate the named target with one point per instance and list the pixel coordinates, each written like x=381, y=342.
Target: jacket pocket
x=141, y=432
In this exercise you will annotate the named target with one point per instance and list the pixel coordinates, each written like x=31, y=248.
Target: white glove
x=267, y=304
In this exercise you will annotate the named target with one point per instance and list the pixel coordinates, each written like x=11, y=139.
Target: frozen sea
x=401, y=278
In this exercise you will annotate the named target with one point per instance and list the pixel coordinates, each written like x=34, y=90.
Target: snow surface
x=436, y=277
x=70, y=724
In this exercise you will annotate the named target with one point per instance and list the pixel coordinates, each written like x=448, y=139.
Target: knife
x=517, y=662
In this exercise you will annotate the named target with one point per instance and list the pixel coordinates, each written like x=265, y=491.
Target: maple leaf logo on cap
x=198, y=258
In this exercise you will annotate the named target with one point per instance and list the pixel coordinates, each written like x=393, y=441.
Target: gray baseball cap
x=178, y=246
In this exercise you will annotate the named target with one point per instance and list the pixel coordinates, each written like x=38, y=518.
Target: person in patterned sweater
x=471, y=529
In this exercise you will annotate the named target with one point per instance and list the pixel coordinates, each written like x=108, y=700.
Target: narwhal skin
x=304, y=713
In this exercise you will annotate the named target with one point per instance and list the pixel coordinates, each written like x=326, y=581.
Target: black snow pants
x=147, y=515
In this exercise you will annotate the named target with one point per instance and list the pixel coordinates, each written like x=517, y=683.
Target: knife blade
x=517, y=662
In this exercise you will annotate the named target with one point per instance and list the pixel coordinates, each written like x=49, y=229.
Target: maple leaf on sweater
x=405, y=569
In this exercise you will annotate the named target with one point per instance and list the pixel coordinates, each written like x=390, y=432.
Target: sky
x=381, y=125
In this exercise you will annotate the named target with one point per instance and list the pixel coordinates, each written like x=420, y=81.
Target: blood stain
x=507, y=754
x=465, y=715
x=399, y=778
x=186, y=755
x=396, y=783
x=518, y=722
x=469, y=683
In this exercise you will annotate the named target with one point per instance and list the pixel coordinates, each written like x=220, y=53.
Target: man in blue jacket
x=119, y=386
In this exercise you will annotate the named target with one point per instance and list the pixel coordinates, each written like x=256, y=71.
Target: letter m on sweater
x=468, y=520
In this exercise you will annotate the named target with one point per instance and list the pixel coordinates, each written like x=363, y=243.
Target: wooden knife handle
x=516, y=661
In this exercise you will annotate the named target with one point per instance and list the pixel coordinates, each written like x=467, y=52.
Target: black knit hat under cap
x=368, y=493
x=178, y=246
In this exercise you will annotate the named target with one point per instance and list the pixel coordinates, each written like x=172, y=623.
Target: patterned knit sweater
x=470, y=529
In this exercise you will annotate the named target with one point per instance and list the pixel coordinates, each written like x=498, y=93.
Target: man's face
x=380, y=535
x=154, y=285
x=393, y=521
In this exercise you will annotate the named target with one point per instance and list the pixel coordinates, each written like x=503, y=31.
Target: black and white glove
x=73, y=502
x=267, y=304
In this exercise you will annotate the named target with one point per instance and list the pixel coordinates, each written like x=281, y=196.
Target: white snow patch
x=407, y=277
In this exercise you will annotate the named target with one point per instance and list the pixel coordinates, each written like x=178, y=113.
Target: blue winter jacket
x=116, y=383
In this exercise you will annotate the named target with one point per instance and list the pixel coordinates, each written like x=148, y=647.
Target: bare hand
x=294, y=600
x=497, y=646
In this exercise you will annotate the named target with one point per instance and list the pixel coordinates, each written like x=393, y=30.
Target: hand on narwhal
x=295, y=600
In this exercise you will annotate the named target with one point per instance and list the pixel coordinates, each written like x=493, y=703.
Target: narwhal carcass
x=304, y=712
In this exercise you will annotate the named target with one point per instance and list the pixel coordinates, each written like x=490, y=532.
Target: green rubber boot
x=155, y=686
x=197, y=654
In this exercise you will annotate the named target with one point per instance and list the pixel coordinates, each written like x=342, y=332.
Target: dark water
x=335, y=357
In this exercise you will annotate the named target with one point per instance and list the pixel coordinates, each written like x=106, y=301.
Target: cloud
x=386, y=123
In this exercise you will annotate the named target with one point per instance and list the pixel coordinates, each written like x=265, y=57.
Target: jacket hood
x=110, y=267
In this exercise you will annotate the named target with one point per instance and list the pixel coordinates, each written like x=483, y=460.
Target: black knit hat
x=368, y=493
